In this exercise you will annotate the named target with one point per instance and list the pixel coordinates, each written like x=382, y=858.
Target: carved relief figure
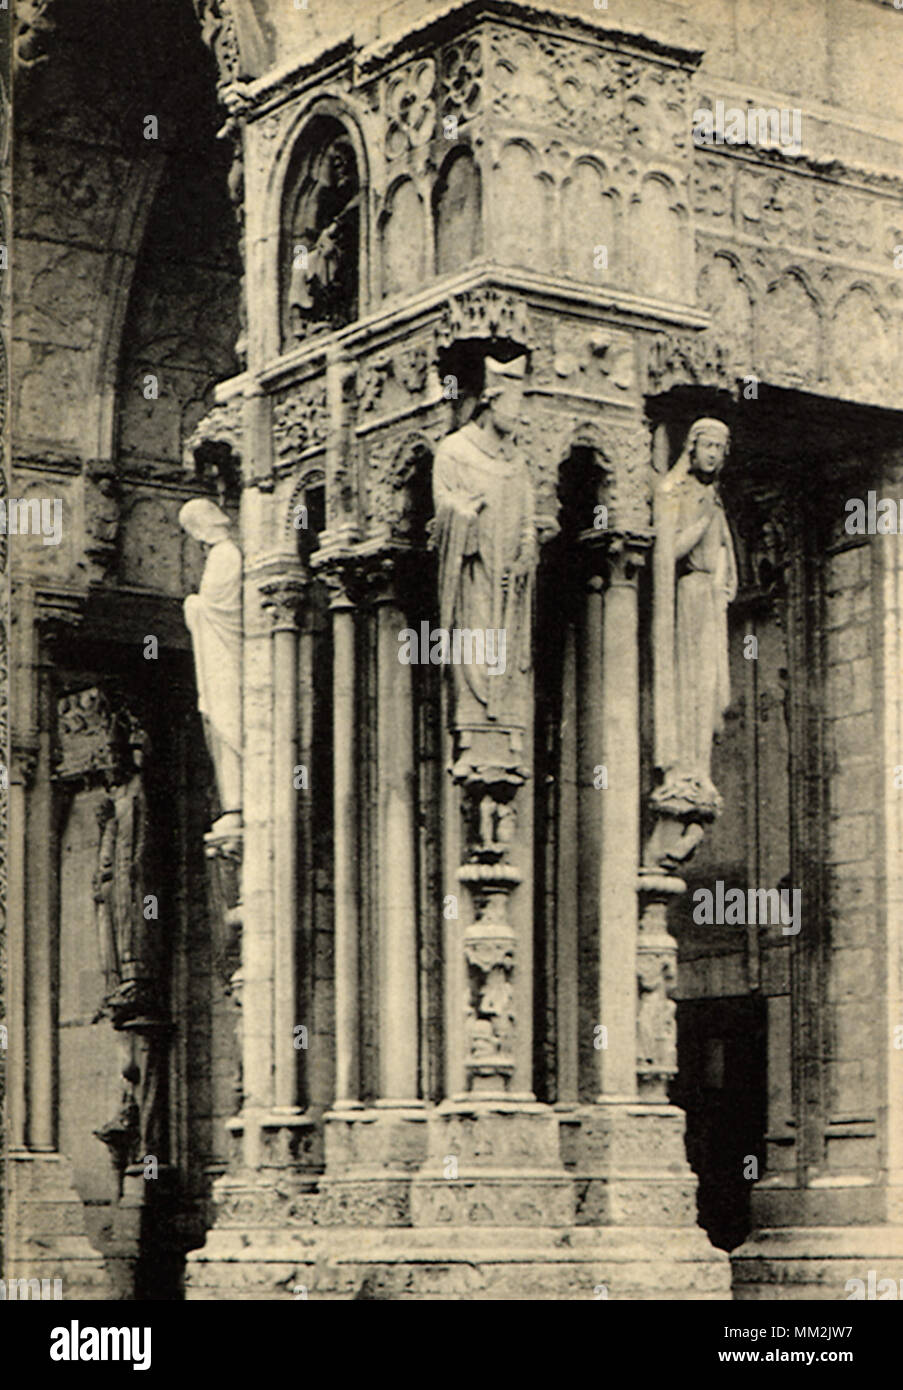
x=325, y=234
x=213, y=617
x=695, y=575
x=485, y=532
x=656, y=1016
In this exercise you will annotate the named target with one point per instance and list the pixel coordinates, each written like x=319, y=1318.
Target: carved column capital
x=283, y=598
x=613, y=557
x=345, y=575
x=58, y=612
x=625, y=556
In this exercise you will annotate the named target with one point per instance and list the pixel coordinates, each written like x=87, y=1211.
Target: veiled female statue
x=695, y=574
x=213, y=617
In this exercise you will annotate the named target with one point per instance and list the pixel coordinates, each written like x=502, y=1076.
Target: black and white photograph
x=451, y=662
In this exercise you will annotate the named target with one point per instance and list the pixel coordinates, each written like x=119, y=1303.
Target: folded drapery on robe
x=213, y=616
x=695, y=580
x=478, y=550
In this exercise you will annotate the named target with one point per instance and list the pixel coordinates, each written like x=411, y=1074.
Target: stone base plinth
x=629, y=1165
x=820, y=1262
x=491, y=1262
x=47, y=1235
x=375, y=1140
x=494, y=1163
x=469, y=1200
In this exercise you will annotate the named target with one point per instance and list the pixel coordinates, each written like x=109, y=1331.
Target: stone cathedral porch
x=431, y=1015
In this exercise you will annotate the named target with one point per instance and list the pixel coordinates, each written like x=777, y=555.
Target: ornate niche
x=321, y=233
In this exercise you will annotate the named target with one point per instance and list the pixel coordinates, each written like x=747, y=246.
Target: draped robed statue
x=213, y=617
x=486, y=537
x=695, y=577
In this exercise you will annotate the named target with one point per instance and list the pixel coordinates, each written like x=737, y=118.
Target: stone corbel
x=688, y=359
x=485, y=313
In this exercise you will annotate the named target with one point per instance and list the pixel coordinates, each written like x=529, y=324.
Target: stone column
x=253, y=850
x=281, y=598
x=21, y=778
x=590, y=742
x=620, y=837
x=396, y=859
x=288, y=1133
x=42, y=918
x=345, y=801
x=629, y=1158
x=372, y=1149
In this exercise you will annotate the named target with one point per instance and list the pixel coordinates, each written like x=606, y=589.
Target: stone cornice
x=259, y=97
x=423, y=311
x=452, y=19
x=885, y=182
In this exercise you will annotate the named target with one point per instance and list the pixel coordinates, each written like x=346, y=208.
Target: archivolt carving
x=658, y=238
x=590, y=219
x=403, y=235
x=624, y=447
x=520, y=183
x=723, y=289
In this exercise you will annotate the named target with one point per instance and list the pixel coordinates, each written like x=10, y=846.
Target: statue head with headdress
x=204, y=521
x=706, y=446
x=502, y=392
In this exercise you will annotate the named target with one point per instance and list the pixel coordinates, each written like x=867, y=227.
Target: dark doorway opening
x=721, y=1084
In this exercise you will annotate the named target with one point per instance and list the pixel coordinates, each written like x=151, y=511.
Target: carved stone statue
x=656, y=1016
x=213, y=617
x=695, y=575
x=323, y=284
x=486, y=537
x=126, y=940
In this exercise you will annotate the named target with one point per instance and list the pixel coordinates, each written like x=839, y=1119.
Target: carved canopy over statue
x=213, y=617
x=695, y=576
x=486, y=536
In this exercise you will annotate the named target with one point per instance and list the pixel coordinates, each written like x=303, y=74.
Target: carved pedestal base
x=493, y=1164
x=629, y=1165
x=470, y=1201
x=47, y=1232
